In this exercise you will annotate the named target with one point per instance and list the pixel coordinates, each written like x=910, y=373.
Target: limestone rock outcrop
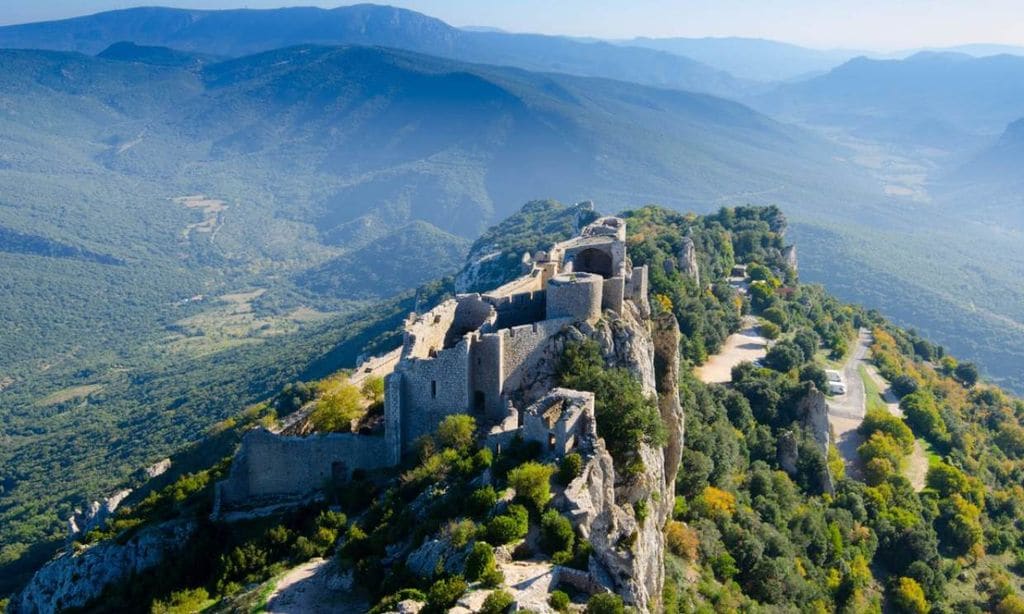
x=81, y=522
x=621, y=514
x=74, y=579
x=688, y=260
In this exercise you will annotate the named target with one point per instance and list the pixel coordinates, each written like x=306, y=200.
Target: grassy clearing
x=872, y=395
x=67, y=394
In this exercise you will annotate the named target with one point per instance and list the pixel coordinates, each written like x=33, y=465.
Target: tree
x=456, y=432
x=373, y=389
x=967, y=374
x=340, y=404
x=815, y=374
x=808, y=341
x=784, y=356
x=770, y=330
x=947, y=479
x=878, y=420
x=1011, y=604
x=777, y=316
x=908, y=597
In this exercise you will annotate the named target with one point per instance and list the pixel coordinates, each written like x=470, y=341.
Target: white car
x=833, y=376
x=836, y=388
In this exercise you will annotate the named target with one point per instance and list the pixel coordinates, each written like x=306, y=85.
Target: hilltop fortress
x=472, y=354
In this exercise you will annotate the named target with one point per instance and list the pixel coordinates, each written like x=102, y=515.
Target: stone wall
x=486, y=362
x=613, y=294
x=270, y=466
x=524, y=346
x=518, y=309
x=432, y=389
x=425, y=333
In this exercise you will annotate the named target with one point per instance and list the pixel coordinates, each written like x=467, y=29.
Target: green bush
x=556, y=533
x=443, y=594
x=479, y=561
x=532, y=482
x=605, y=603
x=559, y=600
x=391, y=602
x=482, y=501
x=508, y=527
x=182, y=602
x=497, y=602
x=457, y=432
x=570, y=468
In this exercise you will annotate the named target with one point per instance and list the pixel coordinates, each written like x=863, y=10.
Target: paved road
x=747, y=345
x=846, y=412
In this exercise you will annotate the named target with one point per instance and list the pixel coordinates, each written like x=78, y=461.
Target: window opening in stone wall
x=479, y=401
x=433, y=389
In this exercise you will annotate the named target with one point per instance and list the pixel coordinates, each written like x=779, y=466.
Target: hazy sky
x=865, y=24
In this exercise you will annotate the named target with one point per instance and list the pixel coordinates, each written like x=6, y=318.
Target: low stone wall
x=269, y=466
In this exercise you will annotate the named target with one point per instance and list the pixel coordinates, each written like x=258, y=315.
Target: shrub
x=776, y=316
x=559, y=600
x=444, y=593
x=390, y=603
x=770, y=330
x=456, y=432
x=497, y=602
x=479, y=561
x=459, y=532
x=605, y=603
x=373, y=389
x=882, y=421
x=182, y=602
x=482, y=501
x=532, y=482
x=556, y=533
x=570, y=468
x=509, y=527
x=492, y=578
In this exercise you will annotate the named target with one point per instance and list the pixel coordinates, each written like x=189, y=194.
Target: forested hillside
x=749, y=529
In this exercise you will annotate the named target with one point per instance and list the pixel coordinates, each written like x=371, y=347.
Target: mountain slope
x=244, y=32
x=937, y=99
x=750, y=58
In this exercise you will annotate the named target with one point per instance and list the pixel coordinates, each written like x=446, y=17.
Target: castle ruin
x=468, y=355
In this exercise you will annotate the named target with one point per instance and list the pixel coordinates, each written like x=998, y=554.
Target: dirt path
x=916, y=467
x=311, y=588
x=747, y=345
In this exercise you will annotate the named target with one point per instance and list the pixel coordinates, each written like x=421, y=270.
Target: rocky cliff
x=72, y=580
x=623, y=513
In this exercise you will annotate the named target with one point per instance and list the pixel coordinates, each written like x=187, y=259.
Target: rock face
x=688, y=260
x=96, y=514
x=813, y=413
x=789, y=255
x=622, y=515
x=73, y=580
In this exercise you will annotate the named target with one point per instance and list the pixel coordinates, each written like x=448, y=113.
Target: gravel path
x=311, y=588
x=747, y=345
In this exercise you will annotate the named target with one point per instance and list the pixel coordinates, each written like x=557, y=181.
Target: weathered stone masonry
x=467, y=355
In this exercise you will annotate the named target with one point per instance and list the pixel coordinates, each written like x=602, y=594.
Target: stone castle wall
x=270, y=466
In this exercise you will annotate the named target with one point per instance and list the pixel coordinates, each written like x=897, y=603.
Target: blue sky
x=864, y=24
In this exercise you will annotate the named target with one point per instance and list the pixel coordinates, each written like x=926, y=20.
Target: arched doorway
x=593, y=260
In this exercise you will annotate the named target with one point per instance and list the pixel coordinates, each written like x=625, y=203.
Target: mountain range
x=235, y=33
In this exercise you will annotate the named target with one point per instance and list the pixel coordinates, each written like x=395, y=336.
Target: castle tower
x=575, y=295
